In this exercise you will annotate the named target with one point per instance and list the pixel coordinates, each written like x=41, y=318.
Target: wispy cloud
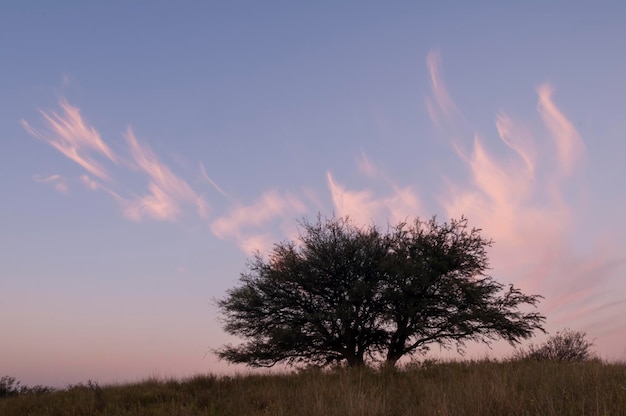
x=571, y=148
x=167, y=192
x=367, y=206
x=441, y=104
x=72, y=136
x=519, y=198
x=212, y=182
x=58, y=181
x=166, y=195
x=89, y=183
x=520, y=140
x=366, y=167
x=521, y=210
x=244, y=222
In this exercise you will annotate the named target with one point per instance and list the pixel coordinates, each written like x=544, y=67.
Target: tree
x=343, y=293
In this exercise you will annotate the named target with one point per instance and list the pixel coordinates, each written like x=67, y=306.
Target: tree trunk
x=355, y=360
x=353, y=354
x=391, y=362
x=394, y=353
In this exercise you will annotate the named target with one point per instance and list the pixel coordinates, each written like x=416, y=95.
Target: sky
x=148, y=149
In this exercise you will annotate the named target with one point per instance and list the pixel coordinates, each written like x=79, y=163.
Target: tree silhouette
x=343, y=293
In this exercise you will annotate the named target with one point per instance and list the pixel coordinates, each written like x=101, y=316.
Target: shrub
x=38, y=389
x=9, y=387
x=565, y=346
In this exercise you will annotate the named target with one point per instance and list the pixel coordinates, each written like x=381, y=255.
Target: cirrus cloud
x=522, y=198
x=72, y=136
x=58, y=181
x=166, y=191
x=247, y=224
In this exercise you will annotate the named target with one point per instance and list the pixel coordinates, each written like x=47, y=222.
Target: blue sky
x=149, y=147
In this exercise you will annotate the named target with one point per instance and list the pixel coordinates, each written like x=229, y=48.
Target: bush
x=38, y=389
x=565, y=346
x=9, y=387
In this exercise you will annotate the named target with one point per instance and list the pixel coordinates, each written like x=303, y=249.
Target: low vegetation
x=566, y=346
x=487, y=387
x=10, y=387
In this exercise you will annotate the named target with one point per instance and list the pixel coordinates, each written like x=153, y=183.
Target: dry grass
x=451, y=388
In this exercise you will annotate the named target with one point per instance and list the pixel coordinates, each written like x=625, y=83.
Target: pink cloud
x=519, y=139
x=570, y=146
x=501, y=197
x=89, y=183
x=212, y=182
x=366, y=167
x=73, y=137
x=245, y=224
x=441, y=103
x=519, y=199
x=58, y=181
x=525, y=213
x=167, y=192
x=365, y=207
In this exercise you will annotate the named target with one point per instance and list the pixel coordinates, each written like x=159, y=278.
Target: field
x=471, y=388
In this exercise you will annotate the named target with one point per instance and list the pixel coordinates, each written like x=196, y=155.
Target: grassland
x=449, y=388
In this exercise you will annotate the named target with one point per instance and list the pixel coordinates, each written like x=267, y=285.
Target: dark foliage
x=342, y=293
x=566, y=345
x=10, y=387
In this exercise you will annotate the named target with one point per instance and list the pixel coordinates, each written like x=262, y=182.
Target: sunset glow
x=143, y=165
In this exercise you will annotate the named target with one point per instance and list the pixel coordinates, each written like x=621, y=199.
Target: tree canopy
x=344, y=293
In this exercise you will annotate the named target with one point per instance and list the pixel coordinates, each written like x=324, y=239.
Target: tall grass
x=469, y=388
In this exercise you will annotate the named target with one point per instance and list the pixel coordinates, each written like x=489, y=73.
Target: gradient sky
x=148, y=149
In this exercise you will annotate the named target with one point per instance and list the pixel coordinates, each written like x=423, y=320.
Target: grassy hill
x=477, y=388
